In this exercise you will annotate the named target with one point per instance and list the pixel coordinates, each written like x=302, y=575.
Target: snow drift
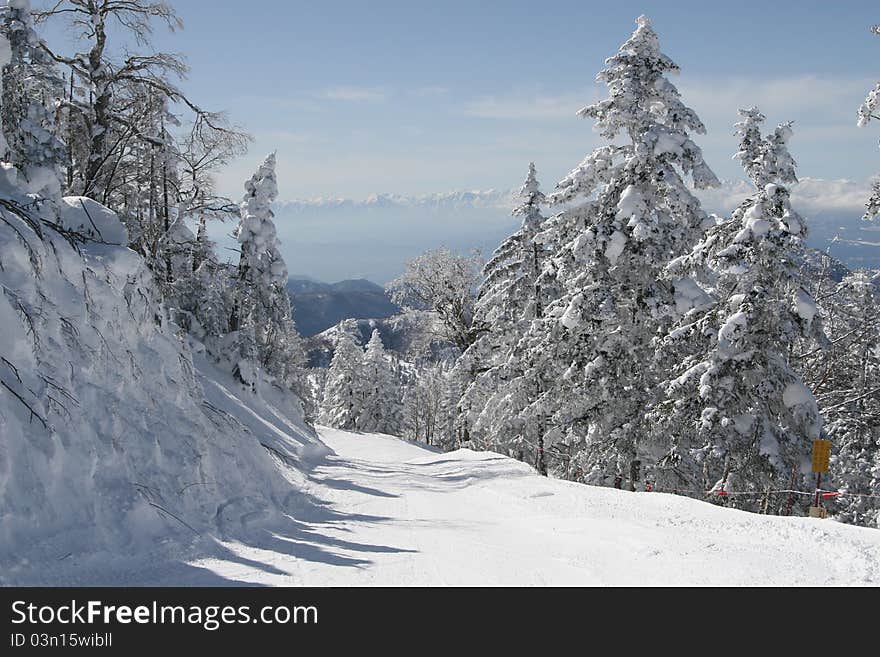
x=114, y=435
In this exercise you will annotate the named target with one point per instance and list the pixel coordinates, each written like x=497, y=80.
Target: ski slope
x=394, y=513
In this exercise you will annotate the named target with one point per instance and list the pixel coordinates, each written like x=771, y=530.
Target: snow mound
x=113, y=438
x=92, y=220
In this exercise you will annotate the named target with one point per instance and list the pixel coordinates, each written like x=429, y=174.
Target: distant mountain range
x=444, y=201
x=373, y=238
x=318, y=306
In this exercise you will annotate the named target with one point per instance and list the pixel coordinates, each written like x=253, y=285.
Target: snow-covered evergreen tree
x=260, y=256
x=260, y=297
x=631, y=213
x=509, y=299
x=381, y=410
x=737, y=416
x=200, y=300
x=847, y=383
x=765, y=159
x=344, y=389
x=868, y=111
x=510, y=292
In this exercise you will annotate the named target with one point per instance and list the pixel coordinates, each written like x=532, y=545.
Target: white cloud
x=811, y=196
x=816, y=195
x=828, y=99
x=542, y=126
x=353, y=94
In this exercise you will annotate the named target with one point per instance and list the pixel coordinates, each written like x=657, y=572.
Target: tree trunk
x=70, y=136
x=166, y=213
x=541, y=463
x=539, y=309
x=100, y=128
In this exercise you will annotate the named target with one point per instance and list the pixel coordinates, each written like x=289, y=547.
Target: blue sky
x=418, y=97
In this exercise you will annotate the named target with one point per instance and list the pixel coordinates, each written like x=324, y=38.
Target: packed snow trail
x=406, y=515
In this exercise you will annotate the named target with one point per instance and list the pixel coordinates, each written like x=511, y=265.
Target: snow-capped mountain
x=454, y=200
x=373, y=238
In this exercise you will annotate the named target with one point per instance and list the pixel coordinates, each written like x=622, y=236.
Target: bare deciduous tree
x=444, y=283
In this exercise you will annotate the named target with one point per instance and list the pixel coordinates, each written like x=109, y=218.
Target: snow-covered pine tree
x=200, y=300
x=631, y=214
x=259, y=290
x=344, y=389
x=32, y=90
x=765, y=159
x=260, y=258
x=381, y=410
x=737, y=416
x=510, y=292
x=847, y=383
x=868, y=111
x=203, y=249
x=508, y=300
x=255, y=234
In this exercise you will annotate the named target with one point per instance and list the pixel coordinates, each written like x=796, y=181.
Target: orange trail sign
x=821, y=456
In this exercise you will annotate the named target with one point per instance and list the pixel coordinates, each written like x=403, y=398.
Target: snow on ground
x=379, y=511
x=400, y=514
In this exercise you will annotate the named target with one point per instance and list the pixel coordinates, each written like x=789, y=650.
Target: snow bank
x=112, y=439
x=91, y=219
